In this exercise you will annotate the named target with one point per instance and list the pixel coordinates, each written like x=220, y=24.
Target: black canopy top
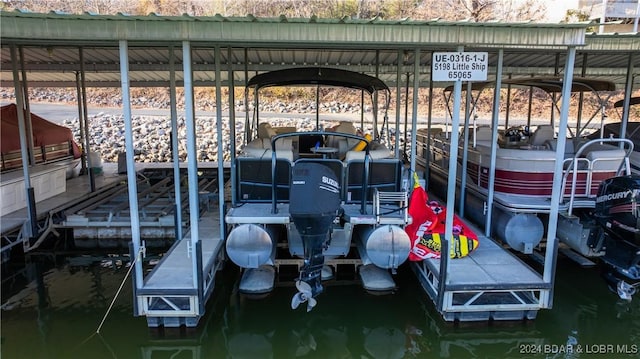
x=318, y=76
x=632, y=101
x=549, y=84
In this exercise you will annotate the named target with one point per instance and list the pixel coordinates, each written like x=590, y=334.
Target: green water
x=52, y=306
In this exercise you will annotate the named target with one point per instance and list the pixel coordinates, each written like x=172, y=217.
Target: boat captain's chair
x=542, y=134
x=261, y=146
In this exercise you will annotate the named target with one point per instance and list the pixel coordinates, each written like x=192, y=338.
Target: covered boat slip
x=184, y=51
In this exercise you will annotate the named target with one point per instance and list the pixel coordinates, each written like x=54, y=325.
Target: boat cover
x=44, y=132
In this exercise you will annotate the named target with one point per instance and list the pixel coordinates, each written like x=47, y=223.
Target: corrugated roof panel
x=280, y=42
x=274, y=30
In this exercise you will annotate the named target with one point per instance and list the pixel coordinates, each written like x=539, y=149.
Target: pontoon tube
x=250, y=246
x=386, y=246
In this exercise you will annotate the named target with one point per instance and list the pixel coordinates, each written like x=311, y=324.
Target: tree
x=451, y=10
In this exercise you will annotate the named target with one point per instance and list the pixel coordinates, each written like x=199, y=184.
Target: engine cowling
x=314, y=200
x=618, y=207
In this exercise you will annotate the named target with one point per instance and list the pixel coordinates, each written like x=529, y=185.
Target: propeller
x=625, y=290
x=304, y=295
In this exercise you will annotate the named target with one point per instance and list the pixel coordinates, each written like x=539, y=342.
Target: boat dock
x=490, y=283
x=76, y=192
x=173, y=294
x=104, y=221
x=223, y=54
x=101, y=219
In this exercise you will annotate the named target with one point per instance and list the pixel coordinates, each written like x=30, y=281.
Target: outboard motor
x=618, y=213
x=314, y=201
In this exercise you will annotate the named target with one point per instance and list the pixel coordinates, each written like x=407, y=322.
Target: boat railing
x=42, y=154
x=365, y=173
x=594, y=159
x=574, y=165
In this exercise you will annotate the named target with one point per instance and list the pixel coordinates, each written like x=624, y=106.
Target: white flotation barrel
x=386, y=246
x=250, y=246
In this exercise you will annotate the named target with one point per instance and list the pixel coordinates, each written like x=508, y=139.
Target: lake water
x=52, y=306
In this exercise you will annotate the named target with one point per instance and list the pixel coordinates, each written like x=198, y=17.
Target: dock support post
x=192, y=157
x=396, y=146
x=27, y=109
x=199, y=279
x=465, y=147
x=494, y=143
x=85, y=116
x=132, y=256
x=414, y=115
x=131, y=168
x=83, y=154
x=232, y=121
x=451, y=193
x=220, y=138
x=174, y=142
x=551, y=253
x=31, y=203
x=628, y=89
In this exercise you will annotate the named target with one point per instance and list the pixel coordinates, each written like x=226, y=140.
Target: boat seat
x=606, y=160
x=265, y=130
x=261, y=146
x=376, y=150
x=343, y=144
x=483, y=133
x=569, y=148
x=542, y=134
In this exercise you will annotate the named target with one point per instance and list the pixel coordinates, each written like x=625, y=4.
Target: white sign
x=460, y=66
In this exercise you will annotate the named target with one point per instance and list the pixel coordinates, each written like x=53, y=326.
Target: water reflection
x=52, y=305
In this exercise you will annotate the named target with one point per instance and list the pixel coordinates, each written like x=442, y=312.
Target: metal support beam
x=494, y=143
x=192, y=157
x=232, y=120
x=465, y=147
x=81, y=122
x=628, y=89
x=396, y=146
x=85, y=116
x=31, y=203
x=173, y=103
x=131, y=168
x=451, y=192
x=414, y=115
x=551, y=252
x=27, y=109
x=220, y=140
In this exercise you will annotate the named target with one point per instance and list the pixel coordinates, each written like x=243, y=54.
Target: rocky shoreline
x=152, y=141
x=152, y=135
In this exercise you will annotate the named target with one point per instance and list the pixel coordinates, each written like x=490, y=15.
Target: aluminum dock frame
x=168, y=296
x=489, y=284
x=174, y=294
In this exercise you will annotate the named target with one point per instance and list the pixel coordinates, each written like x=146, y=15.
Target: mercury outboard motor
x=618, y=213
x=314, y=201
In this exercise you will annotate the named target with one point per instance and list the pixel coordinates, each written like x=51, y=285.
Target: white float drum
x=386, y=246
x=250, y=246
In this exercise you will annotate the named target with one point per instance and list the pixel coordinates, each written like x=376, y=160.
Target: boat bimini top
x=318, y=76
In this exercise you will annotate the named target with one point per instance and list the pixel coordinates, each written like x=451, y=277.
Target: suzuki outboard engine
x=618, y=212
x=314, y=200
